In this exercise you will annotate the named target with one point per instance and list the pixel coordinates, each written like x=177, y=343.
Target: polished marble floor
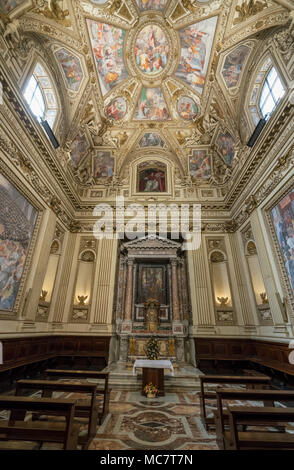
x=164, y=423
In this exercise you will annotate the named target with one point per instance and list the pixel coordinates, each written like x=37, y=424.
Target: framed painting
x=151, y=178
x=152, y=283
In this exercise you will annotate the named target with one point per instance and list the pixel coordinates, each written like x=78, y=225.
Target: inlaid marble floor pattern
x=163, y=423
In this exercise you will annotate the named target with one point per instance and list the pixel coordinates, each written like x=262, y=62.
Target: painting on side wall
x=107, y=44
x=151, y=178
x=152, y=106
x=151, y=140
x=103, y=165
x=234, y=64
x=79, y=148
x=196, y=44
x=225, y=145
x=71, y=67
x=144, y=5
x=199, y=164
x=17, y=222
x=8, y=5
x=283, y=220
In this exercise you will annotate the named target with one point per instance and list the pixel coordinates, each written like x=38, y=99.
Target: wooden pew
x=88, y=410
x=255, y=416
x=248, y=380
x=86, y=374
x=268, y=397
x=26, y=430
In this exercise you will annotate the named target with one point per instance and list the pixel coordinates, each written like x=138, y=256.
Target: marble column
x=129, y=291
x=175, y=291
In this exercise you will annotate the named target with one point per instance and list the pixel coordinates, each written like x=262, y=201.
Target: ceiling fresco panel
x=196, y=45
x=71, y=67
x=234, y=64
x=152, y=106
x=8, y=5
x=107, y=45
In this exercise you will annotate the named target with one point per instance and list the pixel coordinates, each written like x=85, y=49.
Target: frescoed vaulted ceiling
x=133, y=75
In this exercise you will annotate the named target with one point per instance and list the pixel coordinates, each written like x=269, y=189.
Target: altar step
x=186, y=379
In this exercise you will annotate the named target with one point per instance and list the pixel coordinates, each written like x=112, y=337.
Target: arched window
x=271, y=93
x=266, y=92
x=40, y=95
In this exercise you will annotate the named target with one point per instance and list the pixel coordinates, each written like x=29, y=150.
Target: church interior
x=125, y=127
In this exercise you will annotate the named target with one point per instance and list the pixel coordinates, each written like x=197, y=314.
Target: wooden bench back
x=58, y=407
x=235, y=379
x=78, y=374
x=245, y=415
x=249, y=380
x=267, y=396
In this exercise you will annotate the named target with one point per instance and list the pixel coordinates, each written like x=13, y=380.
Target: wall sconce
x=263, y=297
x=82, y=299
x=43, y=295
x=223, y=301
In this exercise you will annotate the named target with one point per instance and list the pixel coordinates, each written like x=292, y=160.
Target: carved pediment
x=151, y=243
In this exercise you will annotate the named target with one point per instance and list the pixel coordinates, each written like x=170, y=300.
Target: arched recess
x=256, y=83
x=220, y=279
x=153, y=167
x=38, y=77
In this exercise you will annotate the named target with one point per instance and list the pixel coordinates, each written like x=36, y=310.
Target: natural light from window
x=40, y=96
x=271, y=93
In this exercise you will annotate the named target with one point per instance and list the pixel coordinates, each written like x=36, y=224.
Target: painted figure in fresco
x=226, y=147
x=103, y=165
x=107, y=43
x=151, y=140
x=283, y=219
x=233, y=65
x=78, y=149
x=152, y=105
x=187, y=109
x=17, y=221
x=71, y=67
x=200, y=164
x=8, y=5
x=151, y=50
x=196, y=43
x=116, y=109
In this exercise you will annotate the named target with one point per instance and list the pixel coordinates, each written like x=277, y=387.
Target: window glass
x=40, y=96
x=271, y=93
